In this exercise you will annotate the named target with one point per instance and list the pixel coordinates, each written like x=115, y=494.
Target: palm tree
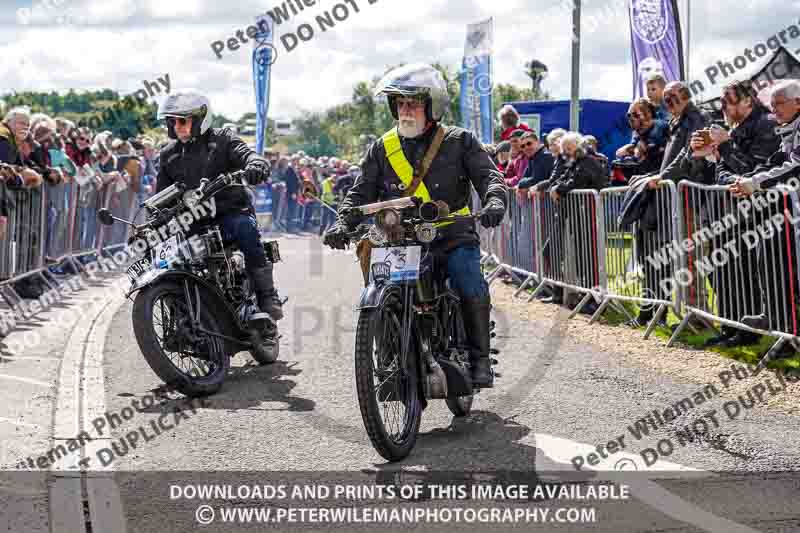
x=536, y=71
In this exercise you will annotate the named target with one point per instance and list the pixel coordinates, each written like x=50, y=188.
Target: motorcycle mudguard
x=372, y=295
x=211, y=297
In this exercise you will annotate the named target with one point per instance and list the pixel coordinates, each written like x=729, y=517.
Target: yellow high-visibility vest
x=404, y=170
x=327, y=191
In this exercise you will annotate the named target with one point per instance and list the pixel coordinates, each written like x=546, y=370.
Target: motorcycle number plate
x=166, y=252
x=138, y=268
x=398, y=263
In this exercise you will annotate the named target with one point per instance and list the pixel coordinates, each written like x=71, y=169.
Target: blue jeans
x=242, y=229
x=464, y=271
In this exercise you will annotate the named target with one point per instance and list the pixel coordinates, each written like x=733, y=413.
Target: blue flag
x=263, y=57
x=476, y=82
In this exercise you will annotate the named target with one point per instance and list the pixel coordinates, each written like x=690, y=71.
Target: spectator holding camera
x=751, y=142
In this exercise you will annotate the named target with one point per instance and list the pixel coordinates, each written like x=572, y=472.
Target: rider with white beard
x=418, y=99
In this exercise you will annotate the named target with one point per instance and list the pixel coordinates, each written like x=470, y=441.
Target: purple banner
x=656, y=42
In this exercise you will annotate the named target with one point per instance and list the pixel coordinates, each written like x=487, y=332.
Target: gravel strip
x=680, y=362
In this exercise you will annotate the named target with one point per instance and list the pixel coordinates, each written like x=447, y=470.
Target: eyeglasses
x=637, y=116
x=180, y=121
x=83, y=139
x=525, y=145
x=671, y=100
x=410, y=104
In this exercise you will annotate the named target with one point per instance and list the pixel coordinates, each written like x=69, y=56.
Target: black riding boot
x=476, y=324
x=264, y=288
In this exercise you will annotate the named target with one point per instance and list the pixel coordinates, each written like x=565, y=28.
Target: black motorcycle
x=194, y=300
x=410, y=344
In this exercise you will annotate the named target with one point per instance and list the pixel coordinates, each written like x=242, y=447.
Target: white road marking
x=84, y=354
x=32, y=358
x=562, y=450
x=18, y=423
x=26, y=380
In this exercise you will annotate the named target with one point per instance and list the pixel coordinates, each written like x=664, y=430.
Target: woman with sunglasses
x=199, y=151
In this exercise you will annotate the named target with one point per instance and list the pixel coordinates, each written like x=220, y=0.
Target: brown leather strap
x=430, y=154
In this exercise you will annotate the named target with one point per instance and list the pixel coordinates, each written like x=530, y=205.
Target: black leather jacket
x=460, y=164
x=216, y=152
x=751, y=144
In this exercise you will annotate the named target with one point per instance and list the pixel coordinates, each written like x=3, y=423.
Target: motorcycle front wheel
x=194, y=365
x=388, y=394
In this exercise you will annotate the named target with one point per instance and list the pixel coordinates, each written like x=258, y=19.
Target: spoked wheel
x=195, y=364
x=458, y=405
x=388, y=393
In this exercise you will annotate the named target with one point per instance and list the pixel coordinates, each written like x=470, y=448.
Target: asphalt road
x=298, y=421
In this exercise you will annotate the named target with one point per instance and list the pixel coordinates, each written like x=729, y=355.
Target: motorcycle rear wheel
x=388, y=395
x=162, y=307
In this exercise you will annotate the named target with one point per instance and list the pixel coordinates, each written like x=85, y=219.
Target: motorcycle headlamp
x=432, y=211
x=165, y=197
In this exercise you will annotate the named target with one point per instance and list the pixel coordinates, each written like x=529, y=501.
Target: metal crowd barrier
x=569, y=236
x=279, y=203
x=743, y=260
x=633, y=270
x=52, y=226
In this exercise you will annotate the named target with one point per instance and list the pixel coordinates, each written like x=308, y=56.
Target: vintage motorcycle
x=194, y=300
x=410, y=341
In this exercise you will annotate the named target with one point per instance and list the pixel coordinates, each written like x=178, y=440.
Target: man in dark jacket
x=749, y=144
x=540, y=161
x=418, y=99
x=654, y=230
x=649, y=138
x=198, y=151
x=778, y=253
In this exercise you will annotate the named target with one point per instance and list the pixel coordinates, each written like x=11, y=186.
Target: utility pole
x=688, y=41
x=575, y=106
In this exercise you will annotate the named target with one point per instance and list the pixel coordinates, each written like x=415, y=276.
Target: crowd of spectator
x=79, y=171
x=328, y=178
x=750, y=148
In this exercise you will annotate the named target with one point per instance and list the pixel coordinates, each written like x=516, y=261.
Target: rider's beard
x=410, y=127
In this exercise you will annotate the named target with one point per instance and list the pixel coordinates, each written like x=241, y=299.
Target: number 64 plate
x=396, y=264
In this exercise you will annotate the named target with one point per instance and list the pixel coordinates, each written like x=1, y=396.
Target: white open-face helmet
x=184, y=104
x=416, y=80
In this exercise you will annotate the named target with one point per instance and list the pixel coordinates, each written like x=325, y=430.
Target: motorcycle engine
x=237, y=262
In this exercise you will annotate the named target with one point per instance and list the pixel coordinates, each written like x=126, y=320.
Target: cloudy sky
x=118, y=43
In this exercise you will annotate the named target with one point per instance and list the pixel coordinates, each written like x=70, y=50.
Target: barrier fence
x=50, y=228
x=744, y=259
x=696, y=250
